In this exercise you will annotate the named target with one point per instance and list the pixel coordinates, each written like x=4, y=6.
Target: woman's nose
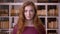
x=28, y=13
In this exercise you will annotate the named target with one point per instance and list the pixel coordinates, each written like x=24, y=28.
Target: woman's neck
x=29, y=23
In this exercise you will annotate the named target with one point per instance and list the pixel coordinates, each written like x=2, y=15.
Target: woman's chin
x=28, y=19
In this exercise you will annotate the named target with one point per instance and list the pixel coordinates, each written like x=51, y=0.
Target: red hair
x=37, y=22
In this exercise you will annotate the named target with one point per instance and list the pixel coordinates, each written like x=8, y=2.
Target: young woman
x=28, y=22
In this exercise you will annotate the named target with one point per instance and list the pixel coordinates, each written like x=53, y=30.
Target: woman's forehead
x=29, y=7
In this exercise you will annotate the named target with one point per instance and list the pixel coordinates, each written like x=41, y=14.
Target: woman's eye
x=31, y=10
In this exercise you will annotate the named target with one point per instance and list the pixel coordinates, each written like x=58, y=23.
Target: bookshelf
x=47, y=12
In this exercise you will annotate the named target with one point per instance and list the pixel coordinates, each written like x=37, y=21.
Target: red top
x=30, y=30
x=27, y=30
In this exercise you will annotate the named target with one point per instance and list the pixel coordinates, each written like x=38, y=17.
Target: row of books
x=42, y=12
x=49, y=1
x=51, y=12
x=6, y=0
x=4, y=22
x=4, y=25
x=52, y=25
x=4, y=32
x=4, y=12
x=14, y=12
x=51, y=32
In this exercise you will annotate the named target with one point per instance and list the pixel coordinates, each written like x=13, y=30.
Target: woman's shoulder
x=15, y=29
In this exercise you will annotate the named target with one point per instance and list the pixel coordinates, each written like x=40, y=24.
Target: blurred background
x=47, y=10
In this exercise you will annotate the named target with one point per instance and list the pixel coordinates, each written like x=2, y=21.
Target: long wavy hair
x=36, y=21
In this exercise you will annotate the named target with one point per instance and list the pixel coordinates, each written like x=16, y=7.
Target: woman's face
x=29, y=12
